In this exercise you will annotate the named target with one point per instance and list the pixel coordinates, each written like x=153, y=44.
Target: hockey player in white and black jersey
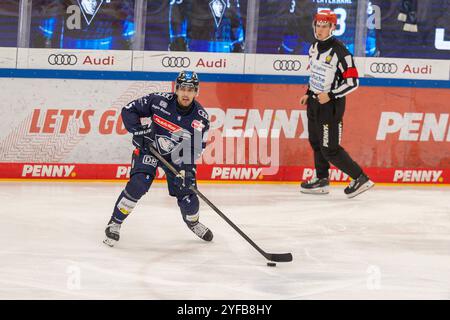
x=178, y=132
x=333, y=75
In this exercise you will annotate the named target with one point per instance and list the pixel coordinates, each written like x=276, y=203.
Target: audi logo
x=176, y=62
x=378, y=67
x=287, y=65
x=62, y=59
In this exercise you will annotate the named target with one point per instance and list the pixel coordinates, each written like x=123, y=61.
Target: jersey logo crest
x=218, y=8
x=165, y=144
x=89, y=8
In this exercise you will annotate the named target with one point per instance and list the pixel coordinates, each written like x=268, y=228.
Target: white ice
x=388, y=243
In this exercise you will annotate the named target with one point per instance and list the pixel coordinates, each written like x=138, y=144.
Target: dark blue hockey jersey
x=211, y=26
x=174, y=133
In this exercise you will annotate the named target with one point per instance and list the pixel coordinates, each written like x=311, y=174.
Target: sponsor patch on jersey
x=169, y=126
x=328, y=59
x=198, y=125
x=150, y=160
x=163, y=104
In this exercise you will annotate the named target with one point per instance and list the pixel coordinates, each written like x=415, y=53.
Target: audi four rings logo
x=378, y=67
x=176, y=62
x=62, y=59
x=287, y=65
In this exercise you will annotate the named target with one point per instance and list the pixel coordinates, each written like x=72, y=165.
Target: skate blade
x=366, y=186
x=323, y=190
x=109, y=242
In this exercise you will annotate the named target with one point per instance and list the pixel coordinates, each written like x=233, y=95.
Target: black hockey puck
x=271, y=264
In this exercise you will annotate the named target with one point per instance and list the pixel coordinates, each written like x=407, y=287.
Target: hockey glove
x=142, y=137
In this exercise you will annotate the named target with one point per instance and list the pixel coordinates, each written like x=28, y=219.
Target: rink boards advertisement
x=211, y=63
x=72, y=129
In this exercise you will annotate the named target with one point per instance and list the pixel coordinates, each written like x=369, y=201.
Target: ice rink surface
x=388, y=243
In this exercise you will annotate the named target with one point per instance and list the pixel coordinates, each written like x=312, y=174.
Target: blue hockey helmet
x=187, y=79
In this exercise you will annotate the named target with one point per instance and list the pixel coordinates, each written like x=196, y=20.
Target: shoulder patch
x=163, y=104
x=198, y=125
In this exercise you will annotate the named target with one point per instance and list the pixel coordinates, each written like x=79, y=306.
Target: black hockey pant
x=325, y=132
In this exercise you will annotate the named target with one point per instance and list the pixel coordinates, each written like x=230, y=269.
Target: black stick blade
x=279, y=257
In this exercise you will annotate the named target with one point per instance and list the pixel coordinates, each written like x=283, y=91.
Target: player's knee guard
x=189, y=206
x=138, y=185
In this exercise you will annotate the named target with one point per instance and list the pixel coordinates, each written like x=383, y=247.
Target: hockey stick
x=276, y=257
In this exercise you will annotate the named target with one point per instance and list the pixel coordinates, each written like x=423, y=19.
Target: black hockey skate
x=201, y=231
x=359, y=185
x=411, y=23
x=112, y=232
x=315, y=186
x=408, y=15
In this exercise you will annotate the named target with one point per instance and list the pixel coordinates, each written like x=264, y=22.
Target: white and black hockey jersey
x=332, y=69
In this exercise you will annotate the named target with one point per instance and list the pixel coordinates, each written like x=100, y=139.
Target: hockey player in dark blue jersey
x=107, y=25
x=178, y=132
x=206, y=26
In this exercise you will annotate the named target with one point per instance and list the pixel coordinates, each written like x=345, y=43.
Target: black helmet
x=187, y=79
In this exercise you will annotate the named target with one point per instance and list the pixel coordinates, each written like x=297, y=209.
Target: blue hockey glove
x=142, y=137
